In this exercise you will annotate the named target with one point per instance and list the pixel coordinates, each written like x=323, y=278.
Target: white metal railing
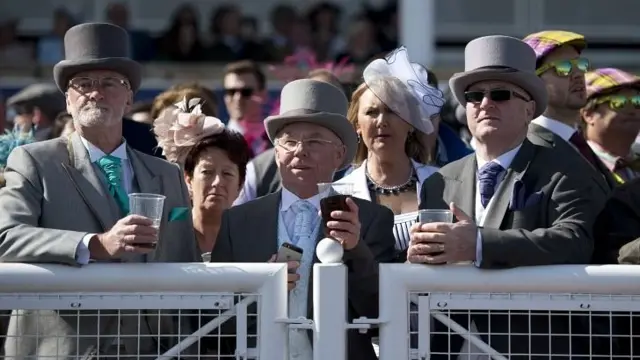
x=440, y=291
x=160, y=286
x=572, y=290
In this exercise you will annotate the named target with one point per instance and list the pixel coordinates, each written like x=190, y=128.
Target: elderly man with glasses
x=516, y=202
x=66, y=202
x=313, y=139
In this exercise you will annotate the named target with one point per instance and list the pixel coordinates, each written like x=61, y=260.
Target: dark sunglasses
x=564, y=67
x=497, y=95
x=617, y=102
x=245, y=92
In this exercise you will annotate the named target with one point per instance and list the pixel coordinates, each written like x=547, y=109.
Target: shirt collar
x=504, y=160
x=288, y=198
x=607, y=158
x=96, y=154
x=559, y=128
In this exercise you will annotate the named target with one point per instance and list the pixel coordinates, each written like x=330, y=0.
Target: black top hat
x=96, y=46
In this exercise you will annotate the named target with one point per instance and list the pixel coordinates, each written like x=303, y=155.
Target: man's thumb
x=459, y=214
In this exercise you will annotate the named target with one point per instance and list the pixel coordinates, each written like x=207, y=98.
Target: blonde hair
x=177, y=93
x=415, y=146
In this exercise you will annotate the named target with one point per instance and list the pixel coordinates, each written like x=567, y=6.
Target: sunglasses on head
x=245, y=92
x=564, y=67
x=497, y=95
x=617, y=102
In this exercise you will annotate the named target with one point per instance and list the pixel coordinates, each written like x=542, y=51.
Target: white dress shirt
x=503, y=160
x=559, y=128
x=82, y=253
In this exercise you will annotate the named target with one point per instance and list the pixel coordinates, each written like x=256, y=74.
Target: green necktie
x=111, y=167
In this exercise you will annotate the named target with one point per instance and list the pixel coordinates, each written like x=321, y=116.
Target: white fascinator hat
x=404, y=88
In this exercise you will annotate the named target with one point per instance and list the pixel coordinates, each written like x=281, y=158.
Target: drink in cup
x=333, y=197
x=149, y=206
x=426, y=216
x=434, y=215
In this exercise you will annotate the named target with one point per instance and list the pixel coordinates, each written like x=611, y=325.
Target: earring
x=359, y=138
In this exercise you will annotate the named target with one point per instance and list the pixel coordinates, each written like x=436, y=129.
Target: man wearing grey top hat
x=313, y=139
x=65, y=201
x=515, y=201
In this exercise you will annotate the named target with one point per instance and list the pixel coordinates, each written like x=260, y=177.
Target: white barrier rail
x=158, y=286
x=549, y=288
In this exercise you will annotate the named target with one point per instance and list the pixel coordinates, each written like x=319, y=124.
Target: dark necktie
x=581, y=144
x=488, y=177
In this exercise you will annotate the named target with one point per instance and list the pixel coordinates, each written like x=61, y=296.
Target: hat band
x=497, y=68
x=303, y=111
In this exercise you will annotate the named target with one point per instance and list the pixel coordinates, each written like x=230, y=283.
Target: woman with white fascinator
x=392, y=112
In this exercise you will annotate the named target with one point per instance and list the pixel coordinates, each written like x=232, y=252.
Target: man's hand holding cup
x=131, y=234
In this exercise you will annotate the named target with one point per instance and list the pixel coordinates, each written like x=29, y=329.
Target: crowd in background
x=228, y=36
x=527, y=148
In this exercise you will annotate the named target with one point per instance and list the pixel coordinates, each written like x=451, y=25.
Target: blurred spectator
x=388, y=32
x=301, y=37
x=3, y=115
x=50, y=47
x=228, y=45
x=142, y=49
x=141, y=112
x=249, y=29
x=280, y=44
x=36, y=107
x=325, y=26
x=62, y=125
x=361, y=41
x=182, y=42
x=12, y=51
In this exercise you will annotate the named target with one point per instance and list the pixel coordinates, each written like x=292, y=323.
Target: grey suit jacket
x=248, y=233
x=539, y=133
x=553, y=225
x=54, y=196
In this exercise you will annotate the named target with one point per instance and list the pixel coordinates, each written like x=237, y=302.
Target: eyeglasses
x=564, y=67
x=617, y=102
x=107, y=84
x=290, y=145
x=498, y=95
x=244, y=92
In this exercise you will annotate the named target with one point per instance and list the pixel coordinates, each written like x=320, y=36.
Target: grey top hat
x=502, y=58
x=96, y=46
x=315, y=102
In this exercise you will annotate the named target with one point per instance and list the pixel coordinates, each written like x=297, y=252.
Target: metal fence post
x=394, y=311
x=329, y=312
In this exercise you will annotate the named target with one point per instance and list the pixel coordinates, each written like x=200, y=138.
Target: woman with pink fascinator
x=213, y=159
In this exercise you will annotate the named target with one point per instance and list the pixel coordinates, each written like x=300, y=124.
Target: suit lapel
x=502, y=197
x=148, y=181
x=262, y=224
x=87, y=182
x=465, y=193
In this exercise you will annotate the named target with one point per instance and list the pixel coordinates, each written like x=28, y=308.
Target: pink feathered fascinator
x=181, y=126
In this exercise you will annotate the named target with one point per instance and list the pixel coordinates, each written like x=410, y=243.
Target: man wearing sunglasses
x=244, y=95
x=612, y=120
x=516, y=202
x=560, y=65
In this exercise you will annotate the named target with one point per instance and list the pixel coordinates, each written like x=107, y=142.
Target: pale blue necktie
x=303, y=224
